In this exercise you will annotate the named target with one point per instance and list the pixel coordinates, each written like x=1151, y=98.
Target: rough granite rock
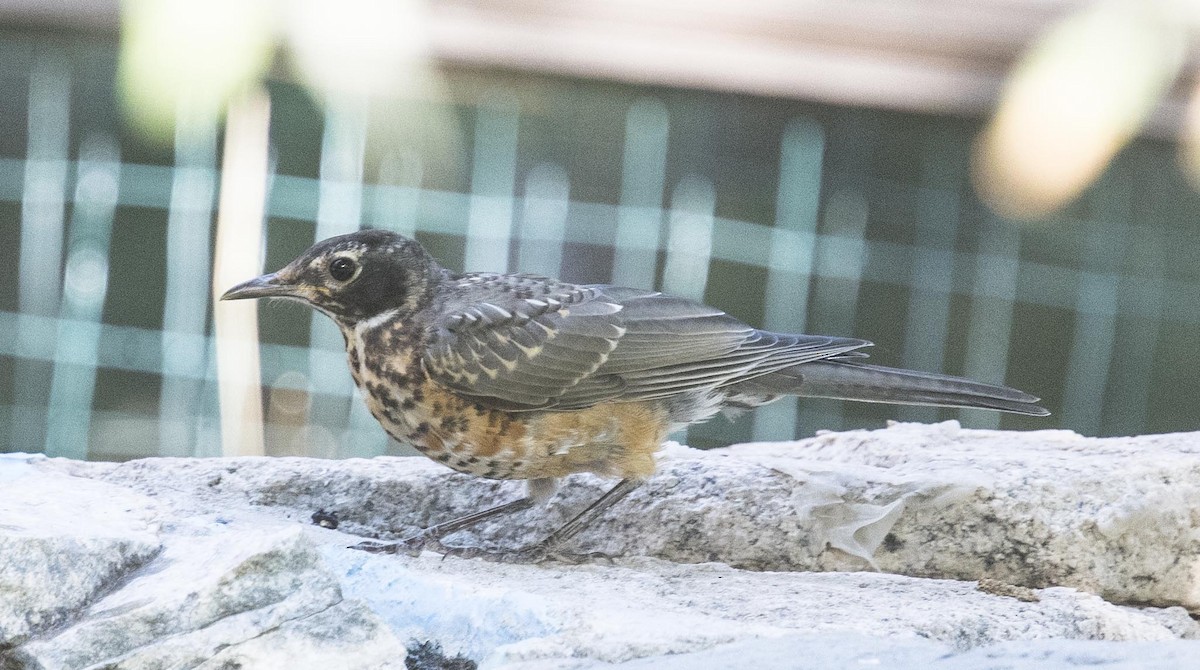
x=795, y=652
x=648, y=608
x=245, y=579
x=347, y=635
x=63, y=541
x=222, y=592
x=1118, y=517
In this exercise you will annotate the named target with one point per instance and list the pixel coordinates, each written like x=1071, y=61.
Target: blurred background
x=1000, y=189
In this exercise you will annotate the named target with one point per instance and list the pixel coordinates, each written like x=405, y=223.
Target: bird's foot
x=540, y=552
x=415, y=545
x=584, y=557
x=411, y=546
x=531, y=555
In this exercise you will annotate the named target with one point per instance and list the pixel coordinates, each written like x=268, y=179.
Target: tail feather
x=852, y=380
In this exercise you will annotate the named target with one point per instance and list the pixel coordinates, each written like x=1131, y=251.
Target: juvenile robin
x=515, y=376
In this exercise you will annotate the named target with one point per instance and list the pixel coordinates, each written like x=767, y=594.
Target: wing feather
x=517, y=342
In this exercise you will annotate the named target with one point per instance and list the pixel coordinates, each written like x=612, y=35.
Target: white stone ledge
x=728, y=554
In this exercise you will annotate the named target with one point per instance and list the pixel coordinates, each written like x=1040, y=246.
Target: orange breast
x=616, y=439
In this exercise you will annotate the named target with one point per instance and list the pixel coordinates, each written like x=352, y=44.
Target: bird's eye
x=341, y=268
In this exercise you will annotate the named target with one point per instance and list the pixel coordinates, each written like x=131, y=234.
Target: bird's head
x=351, y=277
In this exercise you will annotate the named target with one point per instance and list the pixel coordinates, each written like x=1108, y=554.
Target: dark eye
x=341, y=268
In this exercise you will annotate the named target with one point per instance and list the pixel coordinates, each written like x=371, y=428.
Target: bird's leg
x=548, y=547
x=430, y=538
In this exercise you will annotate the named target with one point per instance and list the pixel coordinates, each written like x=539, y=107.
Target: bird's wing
x=570, y=346
x=518, y=342
x=672, y=346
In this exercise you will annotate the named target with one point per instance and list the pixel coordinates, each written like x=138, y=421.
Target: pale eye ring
x=342, y=268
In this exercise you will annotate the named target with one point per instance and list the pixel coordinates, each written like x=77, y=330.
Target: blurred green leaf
x=183, y=59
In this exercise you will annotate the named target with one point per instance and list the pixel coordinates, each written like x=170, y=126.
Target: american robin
x=515, y=376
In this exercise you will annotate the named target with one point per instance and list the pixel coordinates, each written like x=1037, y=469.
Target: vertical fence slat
x=927, y=328
x=841, y=257
x=1091, y=350
x=790, y=258
x=544, y=220
x=1096, y=302
x=73, y=382
x=689, y=241
x=493, y=180
x=185, y=305
x=993, y=295
x=643, y=178
x=397, y=198
x=335, y=404
x=39, y=270
x=689, y=238
x=1132, y=370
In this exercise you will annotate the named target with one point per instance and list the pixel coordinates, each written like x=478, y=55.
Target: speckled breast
x=385, y=362
x=616, y=439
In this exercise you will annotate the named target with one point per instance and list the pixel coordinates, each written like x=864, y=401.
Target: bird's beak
x=266, y=286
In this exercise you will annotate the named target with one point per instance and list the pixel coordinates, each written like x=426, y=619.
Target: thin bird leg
x=547, y=548
x=571, y=528
x=452, y=526
x=431, y=537
x=540, y=490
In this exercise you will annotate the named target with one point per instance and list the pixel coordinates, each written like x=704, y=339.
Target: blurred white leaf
x=1078, y=96
x=357, y=46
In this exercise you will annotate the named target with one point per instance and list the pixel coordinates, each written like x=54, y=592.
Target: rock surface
x=215, y=563
x=639, y=608
x=1119, y=517
x=1116, y=517
x=234, y=594
x=63, y=541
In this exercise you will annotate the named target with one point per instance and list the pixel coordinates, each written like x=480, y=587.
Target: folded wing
x=568, y=347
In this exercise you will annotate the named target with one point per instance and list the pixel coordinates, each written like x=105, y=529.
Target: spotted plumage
x=512, y=376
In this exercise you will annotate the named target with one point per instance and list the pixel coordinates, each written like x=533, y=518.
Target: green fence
x=790, y=216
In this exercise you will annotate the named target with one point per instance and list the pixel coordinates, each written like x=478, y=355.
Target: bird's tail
x=851, y=380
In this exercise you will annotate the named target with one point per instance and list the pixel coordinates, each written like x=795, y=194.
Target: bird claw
x=373, y=547
x=411, y=546
x=533, y=554
x=526, y=555
x=530, y=555
x=580, y=558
